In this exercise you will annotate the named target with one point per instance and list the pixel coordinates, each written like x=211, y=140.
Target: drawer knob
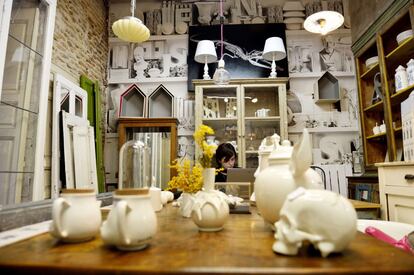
x=409, y=177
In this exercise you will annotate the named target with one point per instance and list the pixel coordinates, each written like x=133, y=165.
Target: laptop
x=241, y=175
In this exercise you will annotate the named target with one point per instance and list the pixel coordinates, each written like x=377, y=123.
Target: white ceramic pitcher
x=76, y=215
x=132, y=222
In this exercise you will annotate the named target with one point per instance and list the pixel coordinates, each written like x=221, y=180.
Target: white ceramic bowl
x=372, y=61
x=401, y=37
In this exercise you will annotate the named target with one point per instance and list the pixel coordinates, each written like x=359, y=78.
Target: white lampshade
x=274, y=49
x=205, y=52
x=323, y=22
x=131, y=29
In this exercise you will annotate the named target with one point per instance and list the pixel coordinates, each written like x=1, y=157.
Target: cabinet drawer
x=401, y=209
x=396, y=176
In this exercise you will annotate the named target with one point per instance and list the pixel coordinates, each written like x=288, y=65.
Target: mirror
x=23, y=90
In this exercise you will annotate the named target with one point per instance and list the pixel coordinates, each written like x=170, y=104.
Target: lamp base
x=205, y=75
x=273, y=73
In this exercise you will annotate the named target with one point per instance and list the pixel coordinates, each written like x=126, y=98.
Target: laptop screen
x=241, y=175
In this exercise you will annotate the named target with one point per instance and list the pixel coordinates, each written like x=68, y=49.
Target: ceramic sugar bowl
x=132, y=222
x=76, y=215
x=289, y=168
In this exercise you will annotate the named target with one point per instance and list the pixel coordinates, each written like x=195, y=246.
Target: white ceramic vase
x=210, y=210
x=76, y=216
x=132, y=222
x=288, y=169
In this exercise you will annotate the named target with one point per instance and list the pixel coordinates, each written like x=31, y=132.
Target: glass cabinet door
x=220, y=110
x=262, y=116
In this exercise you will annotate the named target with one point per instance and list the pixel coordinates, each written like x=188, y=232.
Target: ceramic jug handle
x=60, y=205
x=121, y=212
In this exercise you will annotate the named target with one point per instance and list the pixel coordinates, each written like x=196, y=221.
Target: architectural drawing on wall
x=186, y=147
x=161, y=103
x=301, y=57
x=336, y=54
x=231, y=107
x=161, y=58
x=118, y=64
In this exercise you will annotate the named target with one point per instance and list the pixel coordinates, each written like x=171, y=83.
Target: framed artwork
x=301, y=57
x=243, y=57
x=231, y=108
x=211, y=108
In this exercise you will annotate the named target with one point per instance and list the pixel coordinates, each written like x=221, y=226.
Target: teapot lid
x=268, y=143
x=283, y=151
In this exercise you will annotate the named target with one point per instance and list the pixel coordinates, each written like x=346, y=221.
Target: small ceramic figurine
x=410, y=72
x=376, y=129
x=322, y=217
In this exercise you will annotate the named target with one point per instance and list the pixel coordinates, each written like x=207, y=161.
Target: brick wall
x=80, y=44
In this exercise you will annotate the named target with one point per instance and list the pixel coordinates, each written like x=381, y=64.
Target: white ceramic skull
x=326, y=219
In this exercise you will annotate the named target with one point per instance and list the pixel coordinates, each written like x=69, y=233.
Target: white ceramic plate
x=401, y=37
x=181, y=28
x=371, y=61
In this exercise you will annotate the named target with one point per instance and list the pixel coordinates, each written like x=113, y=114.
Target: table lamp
x=205, y=53
x=274, y=50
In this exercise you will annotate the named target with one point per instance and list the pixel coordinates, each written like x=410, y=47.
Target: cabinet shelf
x=376, y=137
x=319, y=74
x=370, y=72
x=401, y=95
x=269, y=118
x=375, y=107
x=219, y=119
x=401, y=54
x=252, y=152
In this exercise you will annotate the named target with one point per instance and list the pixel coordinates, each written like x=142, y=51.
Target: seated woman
x=225, y=158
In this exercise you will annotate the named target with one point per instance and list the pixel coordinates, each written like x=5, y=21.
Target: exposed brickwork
x=80, y=43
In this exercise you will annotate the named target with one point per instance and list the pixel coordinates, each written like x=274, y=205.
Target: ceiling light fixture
x=130, y=28
x=323, y=22
x=221, y=75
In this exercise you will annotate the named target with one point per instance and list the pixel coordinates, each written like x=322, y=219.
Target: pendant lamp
x=323, y=22
x=221, y=75
x=130, y=28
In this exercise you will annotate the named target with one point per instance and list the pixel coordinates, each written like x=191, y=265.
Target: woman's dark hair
x=226, y=151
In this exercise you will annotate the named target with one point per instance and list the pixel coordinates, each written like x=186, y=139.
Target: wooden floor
x=243, y=247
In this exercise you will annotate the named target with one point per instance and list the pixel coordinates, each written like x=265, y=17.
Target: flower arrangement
x=189, y=178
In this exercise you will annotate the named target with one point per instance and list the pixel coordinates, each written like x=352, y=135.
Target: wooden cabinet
x=243, y=113
x=396, y=185
x=385, y=146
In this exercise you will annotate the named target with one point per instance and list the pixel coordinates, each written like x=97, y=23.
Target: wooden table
x=244, y=246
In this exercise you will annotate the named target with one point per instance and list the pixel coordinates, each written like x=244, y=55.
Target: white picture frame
x=211, y=108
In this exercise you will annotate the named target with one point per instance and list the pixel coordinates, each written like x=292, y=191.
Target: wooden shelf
x=327, y=130
x=377, y=136
x=252, y=152
x=152, y=38
x=219, y=119
x=147, y=80
x=319, y=74
x=401, y=95
x=375, y=107
x=271, y=118
x=400, y=54
x=370, y=72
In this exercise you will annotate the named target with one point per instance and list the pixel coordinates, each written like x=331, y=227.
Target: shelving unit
x=384, y=146
x=232, y=111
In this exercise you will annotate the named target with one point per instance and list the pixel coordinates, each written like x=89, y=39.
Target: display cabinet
x=243, y=113
x=378, y=99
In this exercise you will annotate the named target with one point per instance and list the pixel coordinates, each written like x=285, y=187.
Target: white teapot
x=76, y=215
x=322, y=217
x=132, y=222
x=289, y=168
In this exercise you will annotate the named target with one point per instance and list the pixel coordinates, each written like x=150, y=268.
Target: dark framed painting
x=242, y=50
